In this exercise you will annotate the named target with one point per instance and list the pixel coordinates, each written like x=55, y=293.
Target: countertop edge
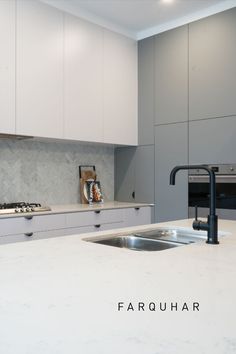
x=75, y=208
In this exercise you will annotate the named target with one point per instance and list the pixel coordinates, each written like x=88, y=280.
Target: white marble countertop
x=60, y=296
x=72, y=208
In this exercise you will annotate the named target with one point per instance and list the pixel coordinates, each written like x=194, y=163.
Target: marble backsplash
x=48, y=172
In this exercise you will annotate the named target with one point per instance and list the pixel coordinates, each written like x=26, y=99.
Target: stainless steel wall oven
x=198, y=188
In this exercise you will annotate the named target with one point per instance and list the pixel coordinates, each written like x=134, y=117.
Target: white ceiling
x=142, y=18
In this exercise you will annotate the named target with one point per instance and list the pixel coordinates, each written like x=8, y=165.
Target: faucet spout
x=212, y=224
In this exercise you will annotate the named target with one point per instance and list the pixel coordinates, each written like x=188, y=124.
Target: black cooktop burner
x=19, y=205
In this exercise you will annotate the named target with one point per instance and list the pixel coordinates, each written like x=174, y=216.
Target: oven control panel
x=224, y=169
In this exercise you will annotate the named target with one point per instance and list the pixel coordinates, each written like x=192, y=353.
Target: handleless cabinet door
x=171, y=202
x=83, y=80
x=212, y=69
x=120, y=89
x=134, y=172
x=212, y=141
x=7, y=66
x=39, y=70
x=146, y=91
x=171, y=76
x=144, y=174
x=125, y=174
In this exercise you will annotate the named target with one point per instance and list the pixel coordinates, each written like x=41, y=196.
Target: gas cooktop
x=22, y=207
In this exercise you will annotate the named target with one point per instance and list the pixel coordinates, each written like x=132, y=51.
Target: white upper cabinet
x=39, y=91
x=63, y=77
x=7, y=66
x=100, y=84
x=120, y=89
x=83, y=80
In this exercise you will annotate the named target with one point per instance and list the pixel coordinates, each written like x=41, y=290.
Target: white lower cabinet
x=30, y=236
x=36, y=227
x=137, y=216
x=96, y=217
x=93, y=228
x=29, y=224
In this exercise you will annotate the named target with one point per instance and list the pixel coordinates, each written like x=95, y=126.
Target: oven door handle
x=205, y=179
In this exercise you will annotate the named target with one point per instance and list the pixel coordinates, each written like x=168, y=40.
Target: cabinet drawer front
x=91, y=218
x=114, y=225
x=137, y=216
x=26, y=224
x=46, y=222
x=15, y=238
x=30, y=236
x=109, y=216
x=104, y=227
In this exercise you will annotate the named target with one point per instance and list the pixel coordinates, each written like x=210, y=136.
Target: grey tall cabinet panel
x=146, y=91
x=171, y=76
x=134, y=167
x=144, y=174
x=125, y=173
x=212, y=141
x=170, y=150
x=134, y=171
x=212, y=69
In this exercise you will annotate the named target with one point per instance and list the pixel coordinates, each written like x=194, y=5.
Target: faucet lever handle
x=196, y=213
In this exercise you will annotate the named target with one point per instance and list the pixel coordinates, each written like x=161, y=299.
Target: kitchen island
x=67, y=296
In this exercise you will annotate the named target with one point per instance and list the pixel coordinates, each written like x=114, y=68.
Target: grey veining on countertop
x=48, y=173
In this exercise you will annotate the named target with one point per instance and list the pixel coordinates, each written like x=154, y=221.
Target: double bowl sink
x=158, y=239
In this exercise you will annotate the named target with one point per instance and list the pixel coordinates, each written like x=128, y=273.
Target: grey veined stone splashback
x=48, y=172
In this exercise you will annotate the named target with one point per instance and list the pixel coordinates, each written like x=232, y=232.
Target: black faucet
x=211, y=226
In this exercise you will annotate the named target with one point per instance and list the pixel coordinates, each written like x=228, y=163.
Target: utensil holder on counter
x=90, y=187
x=86, y=172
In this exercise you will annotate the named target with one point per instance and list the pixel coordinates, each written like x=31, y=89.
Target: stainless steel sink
x=158, y=239
x=185, y=236
x=136, y=243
